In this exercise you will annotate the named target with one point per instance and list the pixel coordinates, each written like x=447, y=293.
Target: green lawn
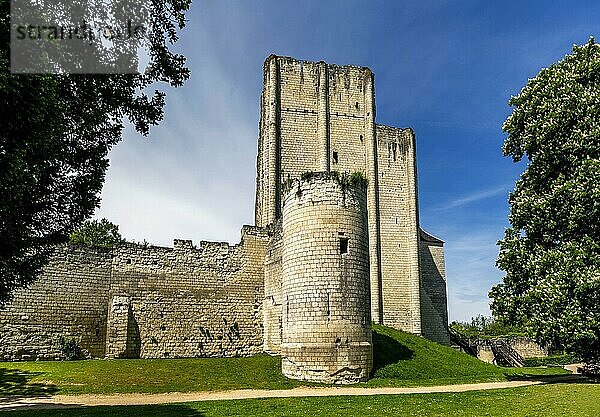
x=578, y=400
x=401, y=359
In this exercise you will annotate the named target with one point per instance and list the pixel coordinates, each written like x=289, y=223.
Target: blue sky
x=444, y=68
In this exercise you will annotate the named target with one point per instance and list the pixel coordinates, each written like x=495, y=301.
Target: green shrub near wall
x=553, y=360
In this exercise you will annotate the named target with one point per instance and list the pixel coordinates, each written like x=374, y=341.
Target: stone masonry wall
x=398, y=221
x=312, y=114
x=187, y=302
x=208, y=301
x=527, y=347
x=326, y=333
x=159, y=302
x=434, y=305
x=272, y=302
x=68, y=301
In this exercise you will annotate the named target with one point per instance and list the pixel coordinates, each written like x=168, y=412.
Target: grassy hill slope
x=403, y=359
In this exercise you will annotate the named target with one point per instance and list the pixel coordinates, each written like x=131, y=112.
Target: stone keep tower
x=320, y=117
x=326, y=331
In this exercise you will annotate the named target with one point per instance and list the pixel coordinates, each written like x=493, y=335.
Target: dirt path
x=67, y=401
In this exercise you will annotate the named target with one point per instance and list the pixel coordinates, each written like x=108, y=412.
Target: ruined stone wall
x=527, y=347
x=148, y=302
x=189, y=302
x=485, y=353
x=524, y=346
x=348, y=108
x=434, y=304
x=68, y=301
x=326, y=333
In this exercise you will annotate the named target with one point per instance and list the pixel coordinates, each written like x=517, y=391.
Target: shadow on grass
x=160, y=410
x=553, y=379
x=15, y=383
x=387, y=350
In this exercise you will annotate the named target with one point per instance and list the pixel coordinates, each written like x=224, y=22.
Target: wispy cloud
x=471, y=270
x=474, y=197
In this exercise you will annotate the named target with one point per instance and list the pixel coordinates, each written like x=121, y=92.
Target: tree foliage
x=551, y=252
x=482, y=327
x=55, y=134
x=99, y=233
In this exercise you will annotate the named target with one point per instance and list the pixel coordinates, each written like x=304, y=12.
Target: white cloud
x=194, y=177
x=474, y=197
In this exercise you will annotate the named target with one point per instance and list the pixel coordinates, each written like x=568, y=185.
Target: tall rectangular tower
x=321, y=117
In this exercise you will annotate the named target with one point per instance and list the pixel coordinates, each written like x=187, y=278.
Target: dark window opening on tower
x=343, y=245
x=335, y=157
x=361, y=138
x=356, y=105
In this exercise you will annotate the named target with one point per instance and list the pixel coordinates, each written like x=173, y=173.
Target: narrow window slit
x=344, y=245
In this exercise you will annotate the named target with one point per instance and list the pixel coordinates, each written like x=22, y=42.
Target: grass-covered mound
x=401, y=359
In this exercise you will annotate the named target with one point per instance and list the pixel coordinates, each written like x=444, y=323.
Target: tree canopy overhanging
x=55, y=135
x=551, y=252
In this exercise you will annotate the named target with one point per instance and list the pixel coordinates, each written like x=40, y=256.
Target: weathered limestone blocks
x=326, y=334
x=272, y=302
x=296, y=284
x=434, y=311
x=123, y=333
x=68, y=302
x=142, y=301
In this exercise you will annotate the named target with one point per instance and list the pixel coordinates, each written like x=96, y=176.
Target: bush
x=345, y=179
x=591, y=370
x=482, y=327
x=358, y=179
x=554, y=360
x=307, y=175
x=97, y=233
x=70, y=349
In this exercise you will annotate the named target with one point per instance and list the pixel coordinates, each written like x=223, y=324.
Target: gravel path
x=68, y=401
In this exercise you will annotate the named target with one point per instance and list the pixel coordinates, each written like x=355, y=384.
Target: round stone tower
x=326, y=335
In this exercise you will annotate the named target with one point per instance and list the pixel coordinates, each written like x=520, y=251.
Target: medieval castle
x=336, y=245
